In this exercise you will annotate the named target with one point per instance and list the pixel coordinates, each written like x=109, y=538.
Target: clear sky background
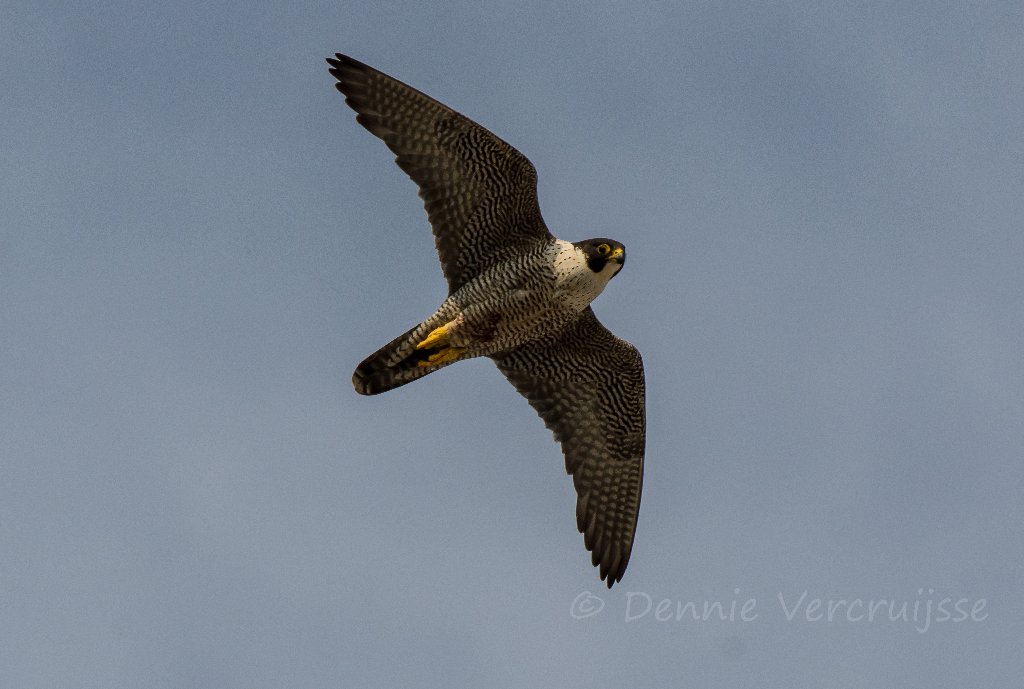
x=822, y=204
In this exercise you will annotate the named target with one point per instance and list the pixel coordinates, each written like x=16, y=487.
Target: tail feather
x=393, y=365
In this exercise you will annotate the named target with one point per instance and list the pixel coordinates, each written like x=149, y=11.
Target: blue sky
x=822, y=206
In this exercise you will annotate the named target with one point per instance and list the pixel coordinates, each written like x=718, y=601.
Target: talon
x=442, y=357
x=437, y=337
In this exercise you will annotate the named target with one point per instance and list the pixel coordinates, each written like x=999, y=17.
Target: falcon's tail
x=394, y=365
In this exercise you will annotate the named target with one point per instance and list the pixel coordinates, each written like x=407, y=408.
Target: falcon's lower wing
x=588, y=387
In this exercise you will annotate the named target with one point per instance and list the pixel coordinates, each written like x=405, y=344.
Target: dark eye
x=603, y=249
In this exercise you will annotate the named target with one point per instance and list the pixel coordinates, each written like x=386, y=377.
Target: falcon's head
x=603, y=255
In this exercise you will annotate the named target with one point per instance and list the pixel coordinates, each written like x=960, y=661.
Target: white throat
x=574, y=278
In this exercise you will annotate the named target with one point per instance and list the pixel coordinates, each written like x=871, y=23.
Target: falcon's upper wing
x=588, y=386
x=479, y=192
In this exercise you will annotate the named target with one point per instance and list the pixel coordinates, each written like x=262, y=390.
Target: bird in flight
x=516, y=294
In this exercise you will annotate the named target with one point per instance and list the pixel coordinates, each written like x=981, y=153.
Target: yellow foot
x=438, y=337
x=443, y=357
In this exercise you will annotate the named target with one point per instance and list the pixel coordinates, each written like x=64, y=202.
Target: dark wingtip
x=611, y=563
x=335, y=63
x=611, y=578
x=349, y=74
x=341, y=61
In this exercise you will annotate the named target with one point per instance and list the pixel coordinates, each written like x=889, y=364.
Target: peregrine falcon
x=516, y=294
